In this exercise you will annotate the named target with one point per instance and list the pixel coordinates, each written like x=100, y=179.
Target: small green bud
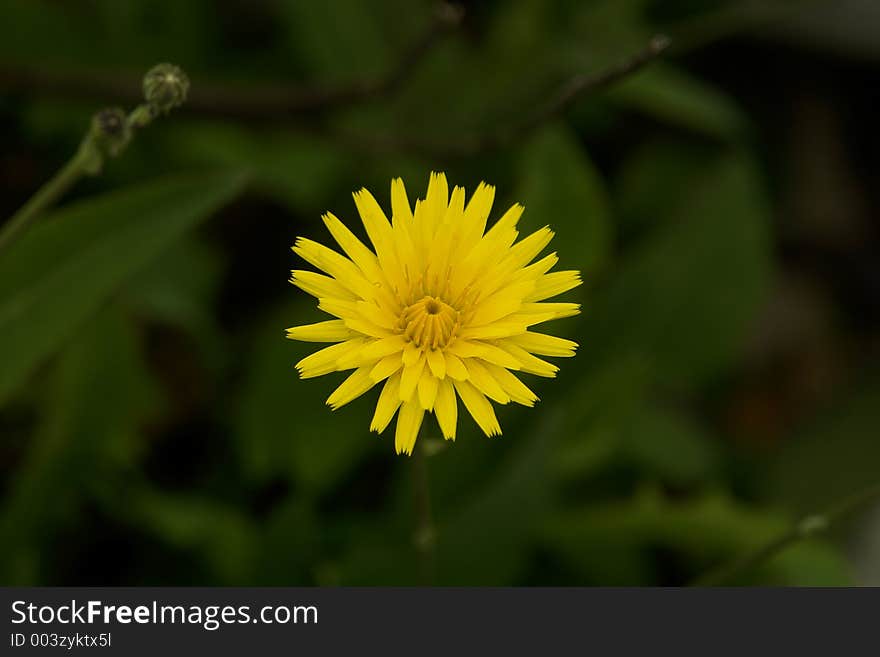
x=111, y=131
x=165, y=87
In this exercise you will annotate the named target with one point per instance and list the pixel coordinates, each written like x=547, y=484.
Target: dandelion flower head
x=439, y=310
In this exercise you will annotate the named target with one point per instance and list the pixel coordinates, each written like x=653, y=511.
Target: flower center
x=430, y=323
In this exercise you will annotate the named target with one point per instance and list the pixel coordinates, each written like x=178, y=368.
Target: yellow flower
x=440, y=310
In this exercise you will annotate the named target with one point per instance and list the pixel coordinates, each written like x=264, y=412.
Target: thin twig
x=425, y=537
x=809, y=526
x=45, y=198
x=566, y=95
x=586, y=83
x=255, y=102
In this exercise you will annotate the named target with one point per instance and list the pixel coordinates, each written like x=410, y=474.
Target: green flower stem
x=425, y=536
x=808, y=527
x=49, y=194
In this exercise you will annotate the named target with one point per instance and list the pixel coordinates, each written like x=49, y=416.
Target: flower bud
x=165, y=87
x=111, y=131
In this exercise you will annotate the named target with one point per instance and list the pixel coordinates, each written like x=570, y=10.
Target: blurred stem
x=49, y=194
x=808, y=527
x=425, y=536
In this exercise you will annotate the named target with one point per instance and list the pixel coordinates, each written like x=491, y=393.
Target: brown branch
x=560, y=101
x=264, y=102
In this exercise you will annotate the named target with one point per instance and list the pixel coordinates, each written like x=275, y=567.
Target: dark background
x=721, y=204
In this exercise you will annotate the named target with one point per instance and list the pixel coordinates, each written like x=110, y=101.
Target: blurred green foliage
x=153, y=429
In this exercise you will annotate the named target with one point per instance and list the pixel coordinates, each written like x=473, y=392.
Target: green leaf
x=614, y=424
x=224, y=538
x=650, y=181
x=561, y=188
x=704, y=531
x=60, y=272
x=282, y=425
x=178, y=289
x=669, y=445
x=683, y=300
x=670, y=95
x=831, y=458
x=297, y=170
x=606, y=399
x=99, y=393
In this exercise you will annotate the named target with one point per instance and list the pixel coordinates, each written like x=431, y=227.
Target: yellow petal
x=333, y=330
x=376, y=314
x=379, y=231
x=411, y=353
x=524, y=251
x=515, y=389
x=437, y=363
x=503, y=232
x=513, y=325
x=485, y=382
x=455, y=211
x=319, y=285
x=325, y=360
x=410, y=378
x=494, y=308
x=400, y=207
x=476, y=214
x=484, y=350
x=342, y=308
x=436, y=203
x=386, y=407
x=409, y=420
x=454, y=367
x=353, y=387
x=361, y=256
x=366, y=327
x=537, y=269
x=544, y=345
x=501, y=295
x=558, y=310
x=386, y=367
x=488, y=250
x=352, y=360
x=384, y=346
x=374, y=220
x=479, y=408
x=338, y=266
x=446, y=408
x=428, y=390
x=528, y=362
x=553, y=284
